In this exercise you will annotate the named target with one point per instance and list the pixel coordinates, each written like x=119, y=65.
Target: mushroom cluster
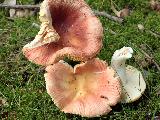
x=70, y=29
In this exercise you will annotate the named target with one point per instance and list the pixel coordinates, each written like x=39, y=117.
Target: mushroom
x=133, y=84
x=69, y=29
x=88, y=89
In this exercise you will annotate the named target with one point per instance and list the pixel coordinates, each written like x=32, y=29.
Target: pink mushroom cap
x=87, y=90
x=69, y=29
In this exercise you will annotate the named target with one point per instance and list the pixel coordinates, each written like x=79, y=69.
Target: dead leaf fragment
x=122, y=13
x=155, y=5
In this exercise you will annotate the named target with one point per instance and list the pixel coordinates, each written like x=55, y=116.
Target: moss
x=22, y=83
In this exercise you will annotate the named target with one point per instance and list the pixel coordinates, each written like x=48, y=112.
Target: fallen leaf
x=122, y=13
x=155, y=5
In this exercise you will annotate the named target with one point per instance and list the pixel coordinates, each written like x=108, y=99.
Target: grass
x=22, y=83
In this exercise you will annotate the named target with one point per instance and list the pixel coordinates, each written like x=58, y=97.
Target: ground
x=22, y=82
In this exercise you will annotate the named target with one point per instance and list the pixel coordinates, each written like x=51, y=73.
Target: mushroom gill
x=88, y=89
x=69, y=29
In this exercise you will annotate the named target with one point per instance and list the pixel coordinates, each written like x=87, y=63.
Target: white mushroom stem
x=118, y=62
x=132, y=80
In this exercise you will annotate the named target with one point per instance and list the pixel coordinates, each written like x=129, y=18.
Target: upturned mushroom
x=133, y=84
x=88, y=89
x=69, y=29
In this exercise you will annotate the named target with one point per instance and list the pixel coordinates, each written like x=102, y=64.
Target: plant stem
x=114, y=18
x=20, y=6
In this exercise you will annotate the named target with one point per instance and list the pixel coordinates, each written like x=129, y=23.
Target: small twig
x=158, y=33
x=37, y=7
x=151, y=58
x=142, y=28
x=153, y=33
x=114, y=18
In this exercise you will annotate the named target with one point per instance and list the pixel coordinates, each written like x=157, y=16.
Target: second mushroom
x=88, y=89
x=133, y=84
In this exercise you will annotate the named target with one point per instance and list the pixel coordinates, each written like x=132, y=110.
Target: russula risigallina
x=133, y=84
x=88, y=89
x=69, y=28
